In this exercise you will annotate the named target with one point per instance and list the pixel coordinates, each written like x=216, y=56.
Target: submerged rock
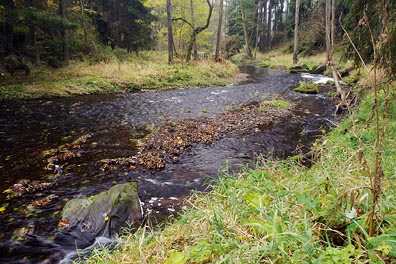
x=100, y=215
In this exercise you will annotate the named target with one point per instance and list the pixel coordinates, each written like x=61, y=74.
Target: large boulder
x=102, y=215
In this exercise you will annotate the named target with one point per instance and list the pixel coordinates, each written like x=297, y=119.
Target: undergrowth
x=282, y=212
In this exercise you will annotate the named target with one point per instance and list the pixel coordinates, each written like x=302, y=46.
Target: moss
x=278, y=103
x=299, y=68
x=353, y=78
x=307, y=87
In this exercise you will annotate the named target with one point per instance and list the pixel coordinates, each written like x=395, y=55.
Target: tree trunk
x=333, y=9
x=170, y=31
x=9, y=26
x=330, y=24
x=264, y=21
x=296, y=22
x=275, y=24
x=195, y=46
x=65, y=43
x=328, y=31
x=219, y=26
x=83, y=22
x=245, y=34
x=285, y=28
x=197, y=30
x=258, y=22
x=269, y=24
x=33, y=40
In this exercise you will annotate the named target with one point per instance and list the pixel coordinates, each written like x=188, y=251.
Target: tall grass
x=282, y=212
x=148, y=70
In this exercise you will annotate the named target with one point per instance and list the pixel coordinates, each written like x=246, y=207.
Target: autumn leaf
x=3, y=208
x=7, y=191
x=63, y=223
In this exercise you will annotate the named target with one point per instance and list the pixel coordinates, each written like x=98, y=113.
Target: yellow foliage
x=3, y=208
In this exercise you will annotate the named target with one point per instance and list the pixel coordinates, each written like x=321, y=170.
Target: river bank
x=146, y=71
x=281, y=211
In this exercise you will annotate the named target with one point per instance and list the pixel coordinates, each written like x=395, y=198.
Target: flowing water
x=105, y=127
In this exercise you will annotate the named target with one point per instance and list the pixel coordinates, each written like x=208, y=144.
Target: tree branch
x=184, y=20
x=200, y=29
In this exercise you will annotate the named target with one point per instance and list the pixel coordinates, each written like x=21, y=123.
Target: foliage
x=34, y=28
x=367, y=19
x=312, y=28
x=182, y=31
x=282, y=211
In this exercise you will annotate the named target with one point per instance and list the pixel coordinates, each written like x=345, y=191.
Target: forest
x=51, y=33
x=233, y=83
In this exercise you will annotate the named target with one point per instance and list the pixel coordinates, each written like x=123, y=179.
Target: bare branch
x=184, y=20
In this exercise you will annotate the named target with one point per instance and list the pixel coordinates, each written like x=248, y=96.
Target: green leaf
x=176, y=257
x=201, y=253
x=258, y=226
x=3, y=207
x=257, y=201
x=385, y=243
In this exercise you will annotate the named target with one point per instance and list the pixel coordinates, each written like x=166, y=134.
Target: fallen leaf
x=63, y=223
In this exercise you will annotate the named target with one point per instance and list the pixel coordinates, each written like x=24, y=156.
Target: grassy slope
x=149, y=70
x=282, y=212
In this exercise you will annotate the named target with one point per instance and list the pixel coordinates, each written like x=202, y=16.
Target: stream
x=103, y=127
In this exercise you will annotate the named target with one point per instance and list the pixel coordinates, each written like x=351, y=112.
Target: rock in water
x=101, y=215
x=299, y=68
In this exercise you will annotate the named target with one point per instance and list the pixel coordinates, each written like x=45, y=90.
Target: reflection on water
x=113, y=125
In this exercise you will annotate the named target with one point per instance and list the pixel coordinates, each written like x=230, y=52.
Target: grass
x=149, y=70
x=282, y=212
x=283, y=104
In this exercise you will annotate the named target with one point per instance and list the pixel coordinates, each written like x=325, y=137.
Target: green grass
x=283, y=212
x=278, y=103
x=147, y=71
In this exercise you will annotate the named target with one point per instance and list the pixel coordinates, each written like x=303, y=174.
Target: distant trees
x=55, y=31
x=52, y=32
x=368, y=21
x=195, y=30
x=259, y=24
